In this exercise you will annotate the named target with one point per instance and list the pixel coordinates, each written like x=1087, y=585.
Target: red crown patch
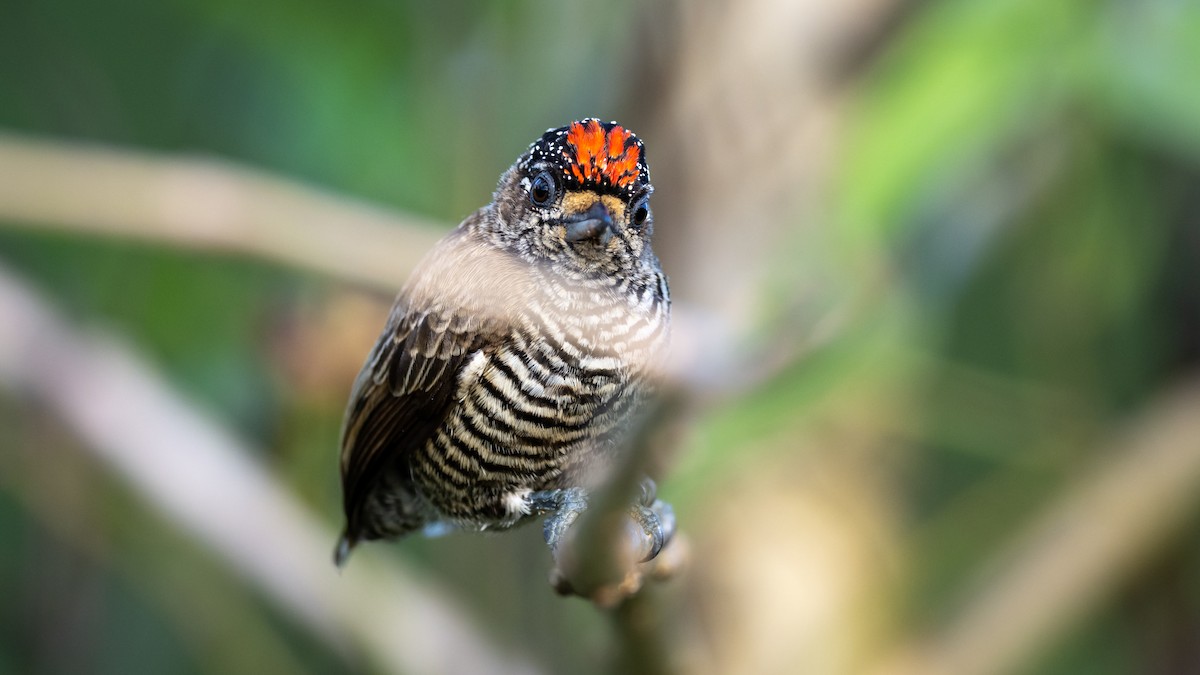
x=601, y=157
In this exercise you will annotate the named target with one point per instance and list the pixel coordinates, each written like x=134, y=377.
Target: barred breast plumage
x=518, y=352
x=546, y=406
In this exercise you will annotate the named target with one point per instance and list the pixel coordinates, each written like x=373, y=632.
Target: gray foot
x=654, y=517
x=564, y=507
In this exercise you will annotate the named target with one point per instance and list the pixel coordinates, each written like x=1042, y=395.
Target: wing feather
x=450, y=309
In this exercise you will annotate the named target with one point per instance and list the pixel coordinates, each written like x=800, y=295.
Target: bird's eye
x=541, y=190
x=640, y=213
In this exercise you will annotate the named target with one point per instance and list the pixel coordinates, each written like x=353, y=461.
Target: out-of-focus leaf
x=1145, y=68
x=966, y=76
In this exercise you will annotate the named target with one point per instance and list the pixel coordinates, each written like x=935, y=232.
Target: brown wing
x=449, y=311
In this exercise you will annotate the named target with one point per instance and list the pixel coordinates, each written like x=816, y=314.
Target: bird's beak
x=595, y=223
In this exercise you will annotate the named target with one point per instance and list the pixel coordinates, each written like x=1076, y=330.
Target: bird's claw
x=657, y=523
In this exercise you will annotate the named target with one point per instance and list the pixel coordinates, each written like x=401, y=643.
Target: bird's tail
x=342, y=551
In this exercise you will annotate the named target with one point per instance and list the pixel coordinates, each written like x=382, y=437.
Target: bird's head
x=580, y=197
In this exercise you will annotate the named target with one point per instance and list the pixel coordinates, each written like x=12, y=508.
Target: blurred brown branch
x=1078, y=551
x=599, y=557
x=206, y=204
x=213, y=205
x=203, y=478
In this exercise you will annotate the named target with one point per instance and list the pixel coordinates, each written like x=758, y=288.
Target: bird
x=516, y=357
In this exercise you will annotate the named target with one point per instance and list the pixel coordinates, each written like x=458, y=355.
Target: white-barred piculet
x=516, y=356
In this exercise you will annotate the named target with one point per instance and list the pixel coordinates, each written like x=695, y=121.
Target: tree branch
x=206, y=204
x=599, y=557
x=212, y=205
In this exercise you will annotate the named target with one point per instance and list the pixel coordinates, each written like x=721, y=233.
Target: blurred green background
x=951, y=246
